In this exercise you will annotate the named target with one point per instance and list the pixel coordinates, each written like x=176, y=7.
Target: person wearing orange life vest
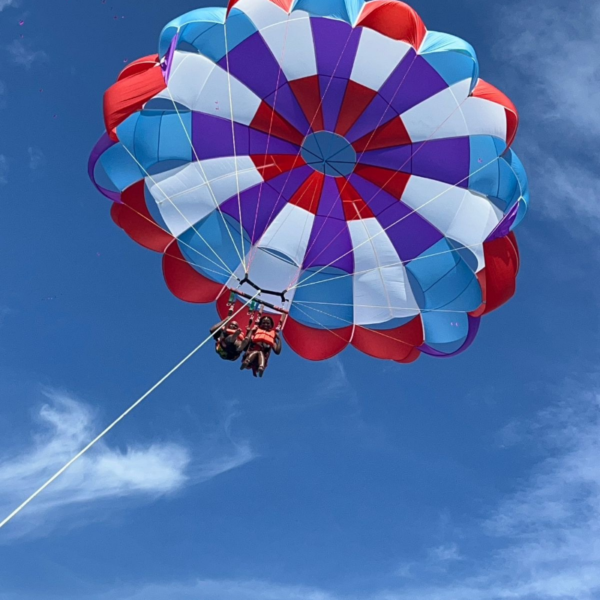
x=231, y=341
x=263, y=339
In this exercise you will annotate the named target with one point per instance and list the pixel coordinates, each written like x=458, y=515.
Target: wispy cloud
x=22, y=54
x=337, y=384
x=3, y=94
x=548, y=530
x=141, y=472
x=4, y=312
x=37, y=159
x=551, y=49
x=221, y=590
x=3, y=169
x=541, y=540
x=6, y=3
x=446, y=553
x=437, y=560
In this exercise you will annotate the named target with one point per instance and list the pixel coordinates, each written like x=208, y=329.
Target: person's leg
x=262, y=363
x=250, y=358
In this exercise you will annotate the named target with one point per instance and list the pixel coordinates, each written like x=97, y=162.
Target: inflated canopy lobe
x=332, y=150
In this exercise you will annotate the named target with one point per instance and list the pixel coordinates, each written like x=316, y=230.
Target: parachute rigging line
x=212, y=193
x=235, y=158
x=412, y=212
x=314, y=118
x=116, y=421
x=260, y=192
x=390, y=265
x=167, y=197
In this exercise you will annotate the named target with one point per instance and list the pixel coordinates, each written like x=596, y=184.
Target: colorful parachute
x=332, y=153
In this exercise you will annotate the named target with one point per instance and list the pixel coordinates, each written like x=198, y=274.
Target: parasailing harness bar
x=261, y=302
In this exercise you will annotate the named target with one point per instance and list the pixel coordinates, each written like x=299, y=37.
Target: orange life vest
x=265, y=337
x=241, y=336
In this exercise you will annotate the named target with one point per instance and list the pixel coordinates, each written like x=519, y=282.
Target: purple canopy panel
x=336, y=44
x=330, y=243
x=447, y=160
x=213, y=138
x=378, y=113
x=288, y=183
x=409, y=232
x=284, y=103
x=396, y=159
x=413, y=81
x=257, y=206
x=103, y=144
x=259, y=142
x=504, y=227
x=253, y=63
x=168, y=61
x=332, y=93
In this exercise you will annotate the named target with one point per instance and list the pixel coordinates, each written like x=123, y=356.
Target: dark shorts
x=228, y=354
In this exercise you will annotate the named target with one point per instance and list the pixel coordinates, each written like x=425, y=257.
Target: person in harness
x=263, y=339
x=230, y=340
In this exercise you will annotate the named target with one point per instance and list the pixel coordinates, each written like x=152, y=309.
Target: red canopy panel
x=390, y=344
x=486, y=91
x=137, y=84
x=135, y=219
x=185, y=282
x=316, y=344
x=394, y=19
x=499, y=278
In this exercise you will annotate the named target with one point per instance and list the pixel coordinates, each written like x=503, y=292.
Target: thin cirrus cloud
x=3, y=169
x=37, y=159
x=551, y=49
x=541, y=539
x=22, y=54
x=140, y=473
x=6, y=3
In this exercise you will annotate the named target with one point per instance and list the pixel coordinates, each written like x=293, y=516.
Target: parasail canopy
x=334, y=154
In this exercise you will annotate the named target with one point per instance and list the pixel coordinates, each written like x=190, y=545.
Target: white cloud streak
x=37, y=159
x=6, y=3
x=23, y=55
x=140, y=473
x=543, y=539
x=446, y=553
x=551, y=50
x=222, y=590
x=3, y=169
x=3, y=95
x=337, y=384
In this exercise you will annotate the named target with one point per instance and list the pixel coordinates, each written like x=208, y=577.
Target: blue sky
x=475, y=478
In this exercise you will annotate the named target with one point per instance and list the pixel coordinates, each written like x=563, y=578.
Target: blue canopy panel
x=202, y=16
x=454, y=59
x=116, y=170
x=159, y=140
x=498, y=174
x=344, y=10
x=391, y=324
x=213, y=243
x=518, y=171
x=203, y=31
x=442, y=280
x=329, y=304
x=445, y=332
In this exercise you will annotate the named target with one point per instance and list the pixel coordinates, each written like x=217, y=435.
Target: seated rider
x=231, y=341
x=261, y=341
